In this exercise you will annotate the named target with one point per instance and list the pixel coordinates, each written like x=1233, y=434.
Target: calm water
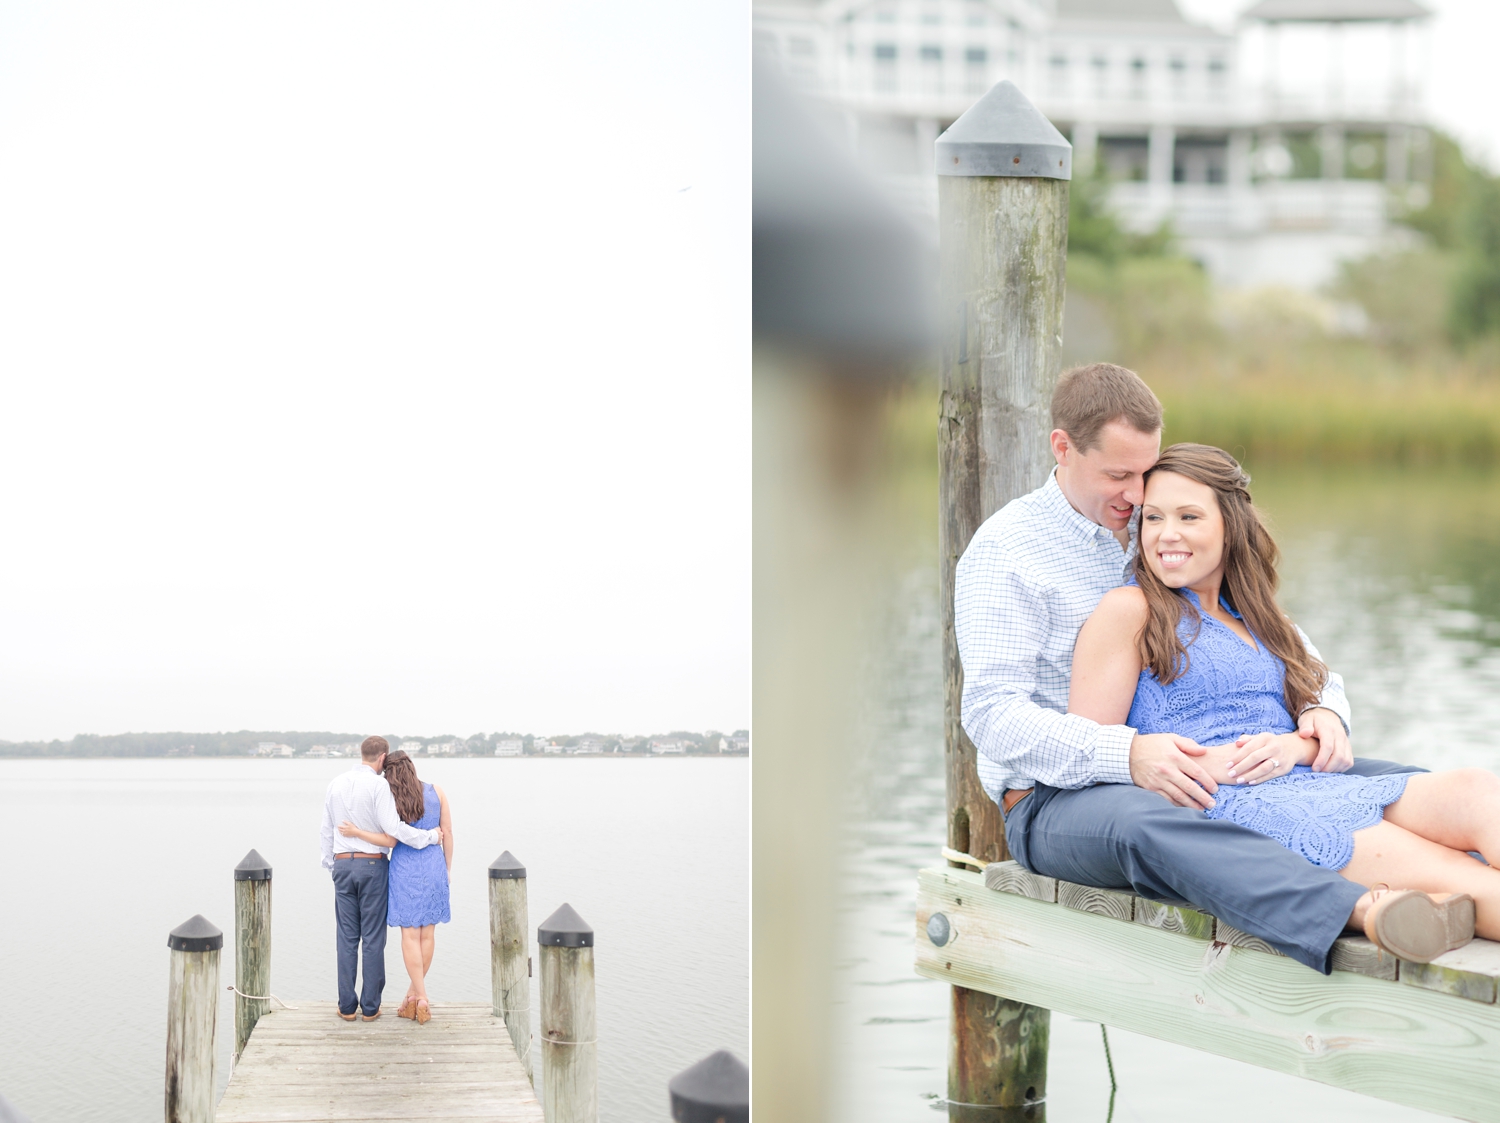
x=1393, y=574
x=105, y=857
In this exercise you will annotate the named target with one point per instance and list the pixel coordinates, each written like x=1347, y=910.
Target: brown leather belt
x=1013, y=797
x=360, y=854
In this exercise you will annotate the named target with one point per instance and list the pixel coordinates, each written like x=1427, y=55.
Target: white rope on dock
x=259, y=997
x=959, y=856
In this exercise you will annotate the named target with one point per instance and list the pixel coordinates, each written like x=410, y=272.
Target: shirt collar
x=1055, y=503
x=365, y=766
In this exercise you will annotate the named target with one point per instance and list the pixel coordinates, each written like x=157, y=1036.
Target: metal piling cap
x=1003, y=134
x=507, y=866
x=196, y=934
x=715, y=1090
x=565, y=929
x=253, y=867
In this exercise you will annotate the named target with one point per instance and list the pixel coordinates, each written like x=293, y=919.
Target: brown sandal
x=423, y=1014
x=1418, y=927
x=408, y=1008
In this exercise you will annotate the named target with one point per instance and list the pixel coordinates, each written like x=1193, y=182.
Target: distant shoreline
x=325, y=745
x=731, y=755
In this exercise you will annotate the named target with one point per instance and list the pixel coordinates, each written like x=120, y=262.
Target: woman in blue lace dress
x=1196, y=645
x=418, y=894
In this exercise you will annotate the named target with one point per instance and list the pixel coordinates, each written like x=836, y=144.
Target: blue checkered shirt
x=1033, y=573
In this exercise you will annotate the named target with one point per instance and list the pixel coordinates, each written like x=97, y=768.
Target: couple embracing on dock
x=387, y=840
x=1148, y=719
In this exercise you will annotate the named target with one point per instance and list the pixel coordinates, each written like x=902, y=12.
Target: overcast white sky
x=1461, y=84
x=367, y=366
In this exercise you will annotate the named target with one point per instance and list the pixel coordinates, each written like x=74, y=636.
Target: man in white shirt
x=1101, y=805
x=361, y=796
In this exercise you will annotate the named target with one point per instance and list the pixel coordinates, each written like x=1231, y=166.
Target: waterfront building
x=1274, y=150
x=412, y=748
x=508, y=747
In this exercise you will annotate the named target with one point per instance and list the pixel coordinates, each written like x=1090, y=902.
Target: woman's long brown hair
x=1249, y=585
x=401, y=774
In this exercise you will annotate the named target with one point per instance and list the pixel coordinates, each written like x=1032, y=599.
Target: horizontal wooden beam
x=1424, y=1048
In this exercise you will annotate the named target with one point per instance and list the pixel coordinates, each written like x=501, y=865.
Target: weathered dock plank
x=1423, y=1048
x=1470, y=972
x=306, y=1065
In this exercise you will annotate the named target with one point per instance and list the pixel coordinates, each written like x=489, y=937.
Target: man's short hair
x=1089, y=398
x=371, y=748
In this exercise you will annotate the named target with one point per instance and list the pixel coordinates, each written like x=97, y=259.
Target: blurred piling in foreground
x=842, y=306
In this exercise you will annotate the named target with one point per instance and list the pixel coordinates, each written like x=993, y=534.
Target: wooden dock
x=1425, y=1035
x=307, y=1064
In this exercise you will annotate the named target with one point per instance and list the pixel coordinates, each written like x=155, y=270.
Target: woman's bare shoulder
x=1123, y=606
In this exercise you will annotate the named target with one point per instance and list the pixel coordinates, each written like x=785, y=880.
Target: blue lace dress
x=418, y=894
x=1230, y=688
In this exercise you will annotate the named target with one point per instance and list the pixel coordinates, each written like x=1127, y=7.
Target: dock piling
x=570, y=1067
x=715, y=1090
x=252, y=945
x=510, y=966
x=192, y=1008
x=1003, y=173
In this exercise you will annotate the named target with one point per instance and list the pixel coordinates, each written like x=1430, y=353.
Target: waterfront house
x=1274, y=150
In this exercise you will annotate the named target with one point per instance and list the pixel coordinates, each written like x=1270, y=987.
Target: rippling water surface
x=1395, y=575
x=104, y=857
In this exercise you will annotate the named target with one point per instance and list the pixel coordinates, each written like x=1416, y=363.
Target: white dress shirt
x=1031, y=576
x=362, y=796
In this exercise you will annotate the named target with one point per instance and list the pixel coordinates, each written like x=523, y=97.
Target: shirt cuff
x=1325, y=706
x=1112, y=754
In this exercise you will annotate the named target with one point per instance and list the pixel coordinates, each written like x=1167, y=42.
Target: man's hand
x=1335, y=753
x=1163, y=763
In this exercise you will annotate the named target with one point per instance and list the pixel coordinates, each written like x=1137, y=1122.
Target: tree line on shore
x=283, y=743
x=1395, y=361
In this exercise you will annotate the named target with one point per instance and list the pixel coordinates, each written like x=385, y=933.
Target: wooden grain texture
x=570, y=1064
x=1470, y=972
x=1359, y=956
x=1174, y=918
x=510, y=967
x=1004, y=247
x=252, y=956
x=1104, y=902
x=307, y=1065
x=1012, y=877
x=1227, y=933
x=1004, y=250
x=192, y=1026
x=1421, y=1048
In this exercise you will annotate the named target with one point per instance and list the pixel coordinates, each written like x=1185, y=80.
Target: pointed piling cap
x=507, y=866
x=715, y=1090
x=253, y=867
x=565, y=929
x=1004, y=134
x=196, y=934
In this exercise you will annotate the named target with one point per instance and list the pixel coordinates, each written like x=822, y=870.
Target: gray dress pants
x=1119, y=836
x=359, y=905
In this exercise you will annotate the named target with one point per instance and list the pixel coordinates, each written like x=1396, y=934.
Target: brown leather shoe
x=408, y=1008
x=371, y=1017
x=1419, y=927
x=346, y=1017
x=423, y=1014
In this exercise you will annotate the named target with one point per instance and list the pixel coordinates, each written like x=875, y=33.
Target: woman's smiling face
x=1182, y=530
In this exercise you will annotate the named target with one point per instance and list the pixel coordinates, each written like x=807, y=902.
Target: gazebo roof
x=1335, y=11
